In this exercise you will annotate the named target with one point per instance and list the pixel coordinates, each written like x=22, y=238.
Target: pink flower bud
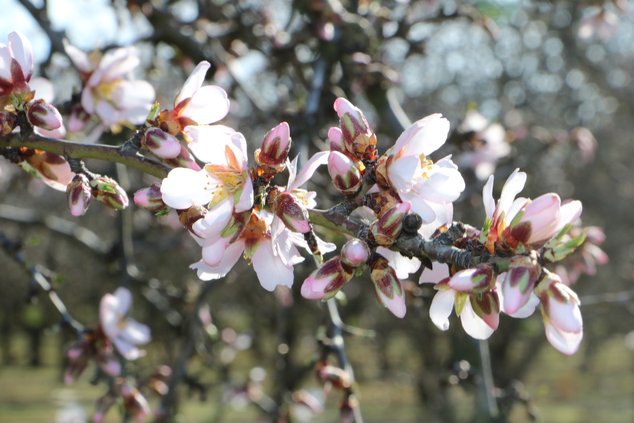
x=519, y=282
x=150, y=198
x=335, y=139
x=275, y=147
x=44, y=115
x=345, y=175
x=539, y=220
x=324, y=282
x=478, y=279
x=291, y=212
x=161, y=143
x=108, y=192
x=79, y=195
x=388, y=227
x=388, y=288
x=355, y=252
x=562, y=316
x=358, y=139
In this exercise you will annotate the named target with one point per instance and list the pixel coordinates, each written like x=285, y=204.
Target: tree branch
x=74, y=150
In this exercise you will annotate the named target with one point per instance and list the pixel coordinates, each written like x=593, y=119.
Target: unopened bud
x=345, y=175
x=294, y=216
x=388, y=227
x=151, y=199
x=355, y=252
x=79, y=194
x=387, y=287
x=326, y=281
x=161, y=143
x=184, y=159
x=107, y=191
x=335, y=139
x=478, y=279
x=559, y=303
x=358, y=138
x=519, y=282
x=275, y=148
x=44, y=115
x=7, y=123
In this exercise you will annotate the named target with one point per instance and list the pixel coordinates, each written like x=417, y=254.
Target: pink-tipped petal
x=565, y=342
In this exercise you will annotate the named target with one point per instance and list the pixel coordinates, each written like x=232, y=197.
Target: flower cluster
x=531, y=233
x=406, y=182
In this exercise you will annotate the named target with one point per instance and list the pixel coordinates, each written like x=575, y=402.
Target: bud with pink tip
x=344, y=173
x=151, y=199
x=388, y=227
x=538, y=221
x=326, y=281
x=275, y=148
x=291, y=212
x=478, y=279
x=161, y=143
x=519, y=282
x=358, y=138
x=335, y=139
x=108, y=192
x=560, y=310
x=79, y=195
x=44, y=115
x=388, y=288
x=355, y=253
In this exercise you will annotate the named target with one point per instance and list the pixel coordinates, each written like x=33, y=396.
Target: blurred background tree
x=541, y=85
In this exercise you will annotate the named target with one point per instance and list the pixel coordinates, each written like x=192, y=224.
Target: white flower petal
x=402, y=265
x=309, y=169
x=232, y=255
x=208, y=104
x=21, y=51
x=487, y=198
x=193, y=82
x=438, y=272
x=424, y=136
x=208, y=143
x=184, y=188
x=43, y=89
x=569, y=213
x=135, y=332
x=473, y=324
x=270, y=269
x=513, y=185
x=124, y=299
x=565, y=342
x=441, y=308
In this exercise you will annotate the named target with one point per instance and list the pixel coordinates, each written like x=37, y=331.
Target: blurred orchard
x=275, y=211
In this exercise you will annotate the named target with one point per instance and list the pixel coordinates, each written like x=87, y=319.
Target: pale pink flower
x=16, y=66
x=428, y=186
x=225, y=175
x=125, y=333
x=198, y=103
x=109, y=92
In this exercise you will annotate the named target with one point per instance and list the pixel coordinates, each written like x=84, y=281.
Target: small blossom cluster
x=531, y=233
x=402, y=182
x=230, y=209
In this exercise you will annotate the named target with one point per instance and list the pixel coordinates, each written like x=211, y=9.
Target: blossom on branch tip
x=355, y=253
x=387, y=287
x=108, y=91
x=327, y=280
x=429, y=187
x=16, y=69
x=125, y=333
x=345, y=175
x=357, y=137
x=44, y=115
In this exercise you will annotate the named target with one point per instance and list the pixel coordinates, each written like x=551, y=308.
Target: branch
x=74, y=150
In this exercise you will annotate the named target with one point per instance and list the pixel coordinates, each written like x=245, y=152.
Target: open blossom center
x=426, y=166
x=104, y=90
x=228, y=179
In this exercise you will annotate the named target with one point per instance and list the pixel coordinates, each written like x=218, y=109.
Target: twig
x=76, y=150
x=42, y=277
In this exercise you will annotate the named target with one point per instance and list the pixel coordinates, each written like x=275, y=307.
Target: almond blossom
x=196, y=104
x=16, y=69
x=225, y=175
x=429, y=187
x=109, y=91
x=125, y=333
